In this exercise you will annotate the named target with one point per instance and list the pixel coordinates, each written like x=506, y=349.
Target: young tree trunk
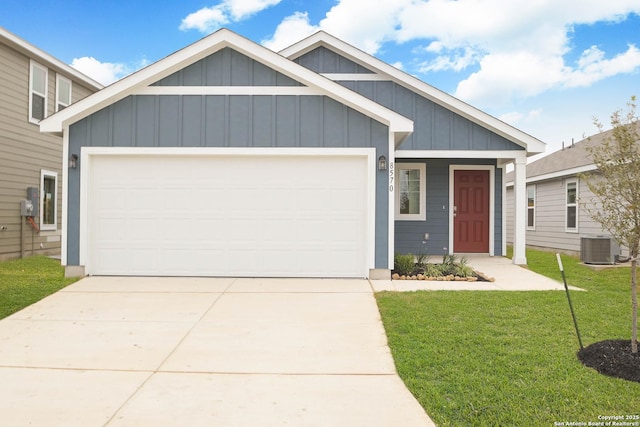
x=634, y=304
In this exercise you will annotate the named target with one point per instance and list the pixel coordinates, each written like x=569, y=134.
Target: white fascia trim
x=203, y=48
x=372, y=163
x=532, y=145
x=356, y=77
x=559, y=174
x=503, y=172
x=460, y=154
x=227, y=151
x=40, y=55
x=492, y=201
x=228, y=90
x=65, y=196
x=392, y=198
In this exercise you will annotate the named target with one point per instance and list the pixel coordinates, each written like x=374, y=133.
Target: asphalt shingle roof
x=571, y=157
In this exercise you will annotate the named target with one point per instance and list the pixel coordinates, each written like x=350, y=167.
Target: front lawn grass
x=28, y=280
x=488, y=358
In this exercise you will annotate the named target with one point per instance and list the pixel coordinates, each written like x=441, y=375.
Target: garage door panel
x=228, y=216
x=132, y=261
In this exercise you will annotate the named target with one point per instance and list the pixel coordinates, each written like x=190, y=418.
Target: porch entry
x=471, y=211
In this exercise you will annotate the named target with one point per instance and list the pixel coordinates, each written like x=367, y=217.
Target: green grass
x=28, y=280
x=509, y=358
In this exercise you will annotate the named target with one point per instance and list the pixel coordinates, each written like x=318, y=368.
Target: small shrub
x=449, y=260
x=463, y=269
x=422, y=260
x=432, y=270
x=404, y=264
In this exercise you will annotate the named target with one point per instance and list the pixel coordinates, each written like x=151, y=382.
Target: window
x=63, y=92
x=411, y=192
x=531, y=207
x=572, y=205
x=48, y=200
x=37, y=92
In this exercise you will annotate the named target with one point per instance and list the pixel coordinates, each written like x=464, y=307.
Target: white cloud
x=291, y=30
x=241, y=9
x=518, y=48
x=592, y=66
x=513, y=75
x=364, y=26
x=106, y=72
x=515, y=117
x=205, y=20
x=102, y=72
x=456, y=60
x=209, y=19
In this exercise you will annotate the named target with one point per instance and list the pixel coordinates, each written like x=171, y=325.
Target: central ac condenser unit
x=598, y=250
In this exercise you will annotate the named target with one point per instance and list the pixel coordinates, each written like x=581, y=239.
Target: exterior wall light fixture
x=382, y=163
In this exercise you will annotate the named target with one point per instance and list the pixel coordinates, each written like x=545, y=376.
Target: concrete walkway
x=508, y=277
x=202, y=352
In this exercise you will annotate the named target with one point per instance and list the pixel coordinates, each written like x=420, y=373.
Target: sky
x=547, y=67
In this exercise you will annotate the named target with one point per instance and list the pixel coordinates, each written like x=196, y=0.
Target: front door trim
x=492, y=196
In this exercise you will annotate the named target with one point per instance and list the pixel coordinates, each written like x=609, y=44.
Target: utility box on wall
x=26, y=208
x=33, y=196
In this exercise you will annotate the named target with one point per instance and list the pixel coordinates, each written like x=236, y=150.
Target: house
x=33, y=85
x=556, y=218
x=228, y=159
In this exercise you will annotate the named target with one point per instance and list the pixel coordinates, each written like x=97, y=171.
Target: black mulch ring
x=613, y=358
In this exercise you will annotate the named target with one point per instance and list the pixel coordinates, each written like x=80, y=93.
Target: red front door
x=471, y=211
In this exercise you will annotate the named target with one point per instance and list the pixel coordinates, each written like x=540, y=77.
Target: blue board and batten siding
x=229, y=121
x=227, y=68
x=435, y=128
x=409, y=235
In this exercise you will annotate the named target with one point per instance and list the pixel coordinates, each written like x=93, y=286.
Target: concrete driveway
x=202, y=352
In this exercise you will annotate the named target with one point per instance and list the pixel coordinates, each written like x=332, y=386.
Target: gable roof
x=568, y=161
x=33, y=52
x=321, y=38
x=138, y=81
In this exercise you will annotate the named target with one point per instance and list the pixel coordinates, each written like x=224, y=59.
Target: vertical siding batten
x=239, y=121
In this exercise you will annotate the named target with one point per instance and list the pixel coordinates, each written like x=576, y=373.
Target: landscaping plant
x=495, y=358
x=404, y=264
x=615, y=185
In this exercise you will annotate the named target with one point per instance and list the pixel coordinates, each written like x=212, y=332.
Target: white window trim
x=422, y=216
x=567, y=205
x=43, y=226
x=535, y=202
x=62, y=78
x=32, y=65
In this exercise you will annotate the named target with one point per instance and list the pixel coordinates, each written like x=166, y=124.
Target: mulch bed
x=612, y=358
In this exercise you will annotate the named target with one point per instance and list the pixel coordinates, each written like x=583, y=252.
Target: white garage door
x=268, y=216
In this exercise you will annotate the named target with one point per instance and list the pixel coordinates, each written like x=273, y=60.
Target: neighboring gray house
x=33, y=85
x=554, y=215
x=228, y=159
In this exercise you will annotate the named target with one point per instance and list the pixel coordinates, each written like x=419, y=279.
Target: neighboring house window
x=531, y=207
x=410, y=191
x=38, y=77
x=63, y=92
x=48, y=198
x=572, y=205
